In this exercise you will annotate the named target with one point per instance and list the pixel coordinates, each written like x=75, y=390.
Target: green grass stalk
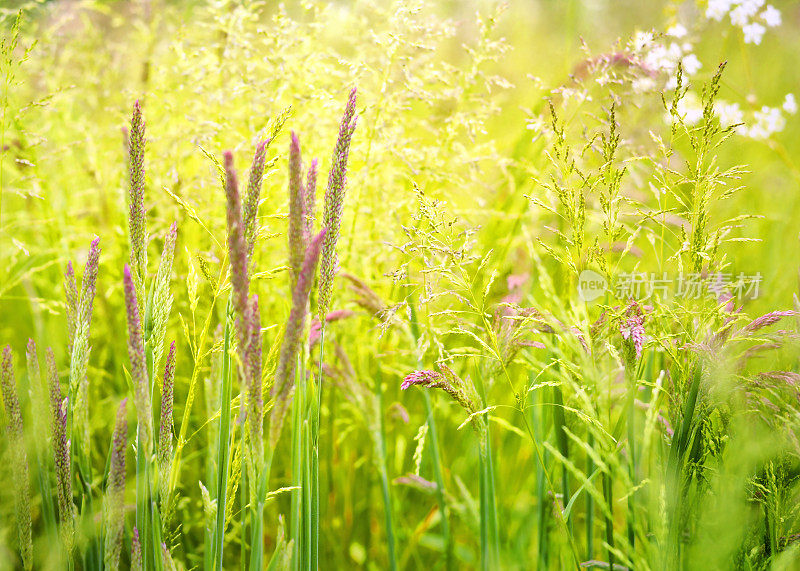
x=223, y=444
x=435, y=456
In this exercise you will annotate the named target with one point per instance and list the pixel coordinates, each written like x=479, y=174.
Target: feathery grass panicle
x=255, y=399
x=19, y=458
x=136, y=551
x=71, y=296
x=136, y=214
x=252, y=197
x=79, y=381
x=450, y=383
x=141, y=385
x=297, y=204
x=165, y=426
x=115, y=491
x=310, y=196
x=334, y=205
x=282, y=387
x=156, y=324
x=237, y=249
x=768, y=319
x=61, y=454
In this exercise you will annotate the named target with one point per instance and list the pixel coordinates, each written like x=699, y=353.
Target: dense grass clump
x=345, y=285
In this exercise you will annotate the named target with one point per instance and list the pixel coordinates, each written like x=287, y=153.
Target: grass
x=457, y=389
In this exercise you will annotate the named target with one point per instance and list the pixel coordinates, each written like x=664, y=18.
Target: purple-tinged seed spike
x=136, y=355
x=36, y=390
x=767, y=319
x=167, y=387
x=61, y=454
x=282, y=387
x=252, y=197
x=296, y=230
x=19, y=458
x=309, y=211
x=334, y=205
x=89, y=284
x=237, y=249
x=255, y=400
x=136, y=551
x=450, y=383
x=165, y=426
x=71, y=296
x=79, y=382
x=136, y=213
x=115, y=490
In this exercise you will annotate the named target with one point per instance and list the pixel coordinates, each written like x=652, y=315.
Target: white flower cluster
x=664, y=55
x=747, y=15
x=761, y=124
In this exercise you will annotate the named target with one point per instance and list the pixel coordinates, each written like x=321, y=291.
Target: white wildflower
x=771, y=16
x=753, y=33
x=717, y=9
x=690, y=109
x=678, y=30
x=641, y=40
x=728, y=113
x=643, y=84
x=766, y=122
x=790, y=104
x=658, y=59
x=691, y=64
x=740, y=16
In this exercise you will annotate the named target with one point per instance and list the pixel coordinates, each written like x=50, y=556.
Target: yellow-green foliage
x=496, y=157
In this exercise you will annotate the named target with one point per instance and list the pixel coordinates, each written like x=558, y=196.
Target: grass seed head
x=136, y=213
x=61, y=454
x=252, y=197
x=136, y=354
x=115, y=491
x=334, y=205
x=19, y=458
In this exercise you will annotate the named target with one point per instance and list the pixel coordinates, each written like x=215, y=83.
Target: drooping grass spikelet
x=165, y=426
x=237, y=249
x=297, y=203
x=767, y=319
x=79, y=382
x=450, y=383
x=156, y=324
x=71, y=296
x=136, y=214
x=309, y=211
x=141, y=385
x=61, y=454
x=334, y=204
x=253, y=195
x=115, y=491
x=136, y=551
x=282, y=387
x=19, y=458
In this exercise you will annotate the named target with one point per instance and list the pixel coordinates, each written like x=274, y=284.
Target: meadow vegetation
x=399, y=285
